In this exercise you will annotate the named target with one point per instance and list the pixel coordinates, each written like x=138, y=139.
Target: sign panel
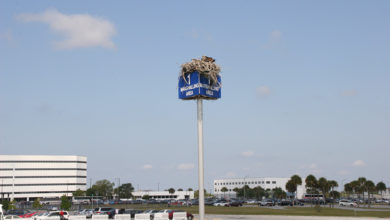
x=196, y=86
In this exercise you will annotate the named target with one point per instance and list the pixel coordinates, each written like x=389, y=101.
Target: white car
x=221, y=203
x=349, y=203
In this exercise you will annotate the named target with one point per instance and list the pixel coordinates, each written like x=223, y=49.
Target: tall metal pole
x=200, y=159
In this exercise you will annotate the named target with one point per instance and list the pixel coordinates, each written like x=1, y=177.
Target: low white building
x=26, y=177
x=265, y=182
x=164, y=195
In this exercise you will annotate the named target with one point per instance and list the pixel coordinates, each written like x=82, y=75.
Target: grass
x=296, y=211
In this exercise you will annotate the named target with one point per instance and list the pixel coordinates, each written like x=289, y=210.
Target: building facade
x=265, y=182
x=164, y=195
x=26, y=177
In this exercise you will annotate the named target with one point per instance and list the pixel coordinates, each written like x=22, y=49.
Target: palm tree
x=323, y=186
x=370, y=188
x=296, y=180
x=361, y=185
x=381, y=186
x=348, y=188
x=311, y=185
x=224, y=189
x=332, y=184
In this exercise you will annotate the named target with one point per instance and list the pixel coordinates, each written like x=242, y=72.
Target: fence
x=122, y=217
x=77, y=217
x=180, y=216
x=142, y=216
x=99, y=217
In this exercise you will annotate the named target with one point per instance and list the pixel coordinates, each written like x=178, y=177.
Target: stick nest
x=205, y=66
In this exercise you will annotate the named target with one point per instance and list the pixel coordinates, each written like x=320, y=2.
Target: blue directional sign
x=195, y=85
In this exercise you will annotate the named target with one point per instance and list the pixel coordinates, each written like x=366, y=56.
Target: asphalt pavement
x=278, y=217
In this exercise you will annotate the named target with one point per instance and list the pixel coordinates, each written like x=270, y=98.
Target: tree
x=37, y=204
x=323, y=186
x=224, y=190
x=196, y=193
x=65, y=203
x=8, y=205
x=78, y=192
x=291, y=186
x=297, y=180
x=278, y=193
x=171, y=190
x=190, y=189
x=125, y=190
x=145, y=197
x=311, y=184
x=370, y=189
x=332, y=184
x=348, y=188
x=102, y=188
x=90, y=192
x=258, y=192
x=180, y=189
x=381, y=186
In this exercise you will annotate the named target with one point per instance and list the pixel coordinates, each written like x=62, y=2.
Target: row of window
x=229, y=190
x=45, y=169
x=46, y=184
x=42, y=161
x=20, y=177
x=246, y=183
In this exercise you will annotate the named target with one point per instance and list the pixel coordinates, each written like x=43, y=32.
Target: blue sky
x=305, y=85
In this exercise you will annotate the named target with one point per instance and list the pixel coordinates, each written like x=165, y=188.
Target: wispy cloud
x=6, y=36
x=147, y=166
x=274, y=39
x=349, y=93
x=358, y=163
x=247, y=153
x=230, y=175
x=263, y=91
x=186, y=166
x=78, y=30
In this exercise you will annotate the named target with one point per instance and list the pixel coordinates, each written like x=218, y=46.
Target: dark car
x=235, y=203
x=285, y=203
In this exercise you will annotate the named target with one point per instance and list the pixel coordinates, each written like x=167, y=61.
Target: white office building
x=164, y=195
x=26, y=177
x=265, y=182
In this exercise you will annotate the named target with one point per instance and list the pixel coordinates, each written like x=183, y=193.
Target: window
x=268, y=182
x=273, y=182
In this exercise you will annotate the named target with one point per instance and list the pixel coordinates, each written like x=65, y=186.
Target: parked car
x=267, y=202
x=106, y=210
x=221, y=203
x=285, y=203
x=235, y=203
x=349, y=203
x=64, y=215
x=151, y=212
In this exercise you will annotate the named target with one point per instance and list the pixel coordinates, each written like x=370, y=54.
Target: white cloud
x=263, y=91
x=349, y=93
x=147, y=166
x=359, y=163
x=186, y=166
x=78, y=30
x=247, y=153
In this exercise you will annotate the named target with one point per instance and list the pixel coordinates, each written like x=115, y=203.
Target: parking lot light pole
x=200, y=159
